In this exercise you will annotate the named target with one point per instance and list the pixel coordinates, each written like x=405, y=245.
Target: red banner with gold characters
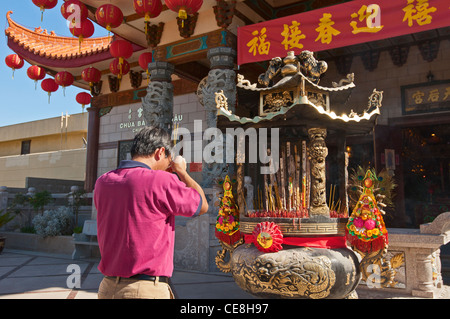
x=341, y=25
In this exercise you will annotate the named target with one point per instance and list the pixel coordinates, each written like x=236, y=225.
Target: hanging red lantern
x=148, y=9
x=84, y=99
x=15, y=62
x=109, y=16
x=91, y=75
x=119, y=68
x=64, y=79
x=81, y=30
x=144, y=59
x=121, y=49
x=45, y=4
x=49, y=86
x=75, y=9
x=36, y=73
x=184, y=7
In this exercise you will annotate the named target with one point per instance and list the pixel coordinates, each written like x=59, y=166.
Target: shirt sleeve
x=182, y=200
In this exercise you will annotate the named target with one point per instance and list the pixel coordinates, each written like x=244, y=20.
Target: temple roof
x=47, y=48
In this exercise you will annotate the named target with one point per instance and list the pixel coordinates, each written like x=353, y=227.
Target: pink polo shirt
x=136, y=209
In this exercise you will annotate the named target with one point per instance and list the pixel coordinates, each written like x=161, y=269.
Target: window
x=25, y=147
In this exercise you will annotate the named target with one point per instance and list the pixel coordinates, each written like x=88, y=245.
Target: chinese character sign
x=341, y=25
x=426, y=97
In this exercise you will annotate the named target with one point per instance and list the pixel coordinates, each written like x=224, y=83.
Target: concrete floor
x=34, y=275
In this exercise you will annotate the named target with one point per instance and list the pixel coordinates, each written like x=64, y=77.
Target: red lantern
x=45, y=4
x=15, y=62
x=121, y=49
x=81, y=30
x=148, y=9
x=84, y=99
x=144, y=59
x=75, y=9
x=64, y=79
x=36, y=73
x=184, y=7
x=109, y=16
x=49, y=86
x=118, y=68
x=91, y=75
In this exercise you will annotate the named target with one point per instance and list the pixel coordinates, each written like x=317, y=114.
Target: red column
x=92, y=149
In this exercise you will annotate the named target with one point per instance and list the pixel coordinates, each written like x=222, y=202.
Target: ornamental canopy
x=289, y=94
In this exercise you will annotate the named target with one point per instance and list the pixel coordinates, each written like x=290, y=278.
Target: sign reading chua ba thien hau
x=136, y=120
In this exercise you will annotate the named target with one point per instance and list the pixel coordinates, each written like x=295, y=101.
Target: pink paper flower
x=369, y=224
x=358, y=222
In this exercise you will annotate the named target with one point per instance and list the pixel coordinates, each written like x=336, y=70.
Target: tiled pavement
x=32, y=275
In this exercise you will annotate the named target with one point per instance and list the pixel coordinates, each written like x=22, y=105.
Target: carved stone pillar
x=424, y=275
x=317, y=153
x=92, y=148
x=158, y=103
x=221, y=77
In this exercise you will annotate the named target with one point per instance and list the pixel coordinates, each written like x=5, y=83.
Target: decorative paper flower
x=268, y=237
x=369, y=224
x=358, y=222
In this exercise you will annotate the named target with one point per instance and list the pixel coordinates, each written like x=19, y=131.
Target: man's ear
x=159, y=153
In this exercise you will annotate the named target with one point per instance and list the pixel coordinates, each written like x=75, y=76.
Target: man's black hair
x=149, y=139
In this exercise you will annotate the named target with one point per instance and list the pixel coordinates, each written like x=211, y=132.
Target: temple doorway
x=426, y=171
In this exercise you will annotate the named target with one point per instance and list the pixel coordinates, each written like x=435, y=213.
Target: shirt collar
x=132, y=164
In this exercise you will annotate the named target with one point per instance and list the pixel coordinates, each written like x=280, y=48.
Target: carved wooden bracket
x=154, y=33
x=370, y=59
x=187, y=26
x=399, y=54
x=96, y=88
x=429, y=49
x=135, y=79
x=224, y=12
x=114, y=83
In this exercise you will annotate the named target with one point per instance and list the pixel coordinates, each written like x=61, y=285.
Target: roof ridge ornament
x=305, y=63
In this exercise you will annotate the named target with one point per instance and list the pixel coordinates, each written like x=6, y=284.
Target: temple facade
x=196, y=57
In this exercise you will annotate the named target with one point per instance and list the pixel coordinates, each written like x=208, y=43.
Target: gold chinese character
x=292, y=36
x=433, y=96
x=418, y=97
x=419, y=12
x=372, y=16
x=326, y=30
x=259, y=43
x=446, y=94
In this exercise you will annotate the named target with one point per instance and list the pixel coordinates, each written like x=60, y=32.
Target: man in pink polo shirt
x=136, y=208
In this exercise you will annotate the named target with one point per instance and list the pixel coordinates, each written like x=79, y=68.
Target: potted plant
x=5, y=217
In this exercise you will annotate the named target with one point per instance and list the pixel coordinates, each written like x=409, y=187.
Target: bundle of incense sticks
x=175, y=132
x=287, y=191
x=335, y=206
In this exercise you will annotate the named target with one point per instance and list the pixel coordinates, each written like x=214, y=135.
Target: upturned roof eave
x=93, y=50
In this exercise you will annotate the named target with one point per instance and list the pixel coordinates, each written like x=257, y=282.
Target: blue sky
x=19, y=101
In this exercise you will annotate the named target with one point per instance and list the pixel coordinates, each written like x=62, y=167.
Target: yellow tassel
x=182, y=14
